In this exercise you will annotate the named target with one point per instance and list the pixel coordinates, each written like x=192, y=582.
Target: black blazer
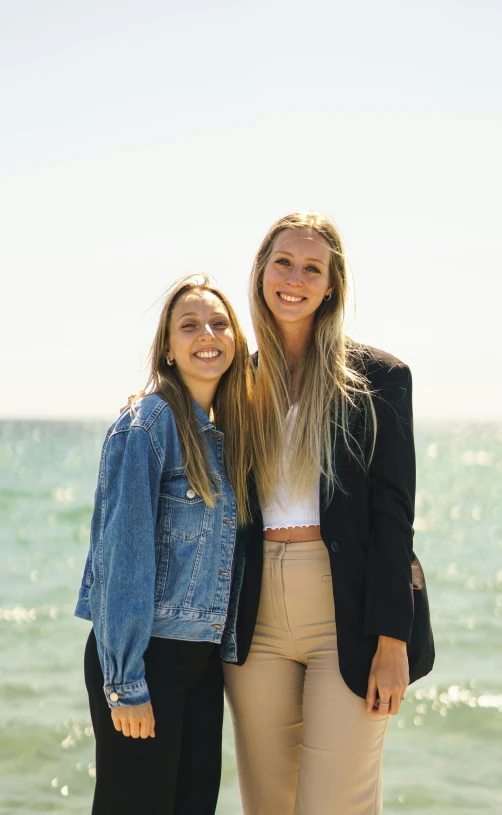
x=378, y=582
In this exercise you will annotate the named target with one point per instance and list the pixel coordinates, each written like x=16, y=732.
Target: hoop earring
x=327, y=297
x=169, y=361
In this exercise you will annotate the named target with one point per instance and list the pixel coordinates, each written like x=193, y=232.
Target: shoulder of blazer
x=370, y=361
x=388, y=377
x=373, y=363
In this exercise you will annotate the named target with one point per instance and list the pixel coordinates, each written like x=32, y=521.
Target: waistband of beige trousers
x=298, y=550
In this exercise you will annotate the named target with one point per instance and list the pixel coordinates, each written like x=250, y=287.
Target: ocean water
x=444, y=750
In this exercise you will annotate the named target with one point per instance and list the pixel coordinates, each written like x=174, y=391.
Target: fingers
x=135, y=722
x=371, y=693
x=395, y=703
x=148, y=728
x=132, y=398
x=388, y=704
x=400, y=700
x=389, y=678
x=383, y=707
x=383, y=701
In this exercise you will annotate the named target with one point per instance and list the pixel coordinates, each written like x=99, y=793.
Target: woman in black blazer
x=333, y=618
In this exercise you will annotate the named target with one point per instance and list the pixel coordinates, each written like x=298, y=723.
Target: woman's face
x=201, y=338
x=296, y=277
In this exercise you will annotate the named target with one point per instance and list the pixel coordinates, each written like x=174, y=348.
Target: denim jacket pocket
x=186, y=515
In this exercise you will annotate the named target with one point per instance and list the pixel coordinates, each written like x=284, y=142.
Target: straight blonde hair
x=230, y=404
x=327, y=382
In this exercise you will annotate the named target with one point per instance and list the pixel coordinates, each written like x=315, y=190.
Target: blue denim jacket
x=161, y=561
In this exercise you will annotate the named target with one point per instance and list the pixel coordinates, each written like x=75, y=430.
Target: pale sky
x=141, y=141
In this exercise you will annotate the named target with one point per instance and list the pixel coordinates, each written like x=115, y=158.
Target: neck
x=204, y=395
x=295, y=338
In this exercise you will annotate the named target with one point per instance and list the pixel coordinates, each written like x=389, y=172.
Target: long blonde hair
x=330, y=383
x=230, y=403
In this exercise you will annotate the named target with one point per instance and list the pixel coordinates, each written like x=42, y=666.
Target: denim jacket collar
x=203, y=419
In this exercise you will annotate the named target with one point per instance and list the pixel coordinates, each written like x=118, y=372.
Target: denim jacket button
x=190, y=493
x=334, y=546
x=114, y=697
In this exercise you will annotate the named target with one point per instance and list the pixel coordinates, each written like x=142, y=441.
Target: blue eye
x=313, y=269
x=283, y=261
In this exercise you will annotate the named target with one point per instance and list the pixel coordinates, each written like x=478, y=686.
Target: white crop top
x=290, y=509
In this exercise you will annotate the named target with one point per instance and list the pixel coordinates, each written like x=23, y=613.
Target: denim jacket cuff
x=135, y=693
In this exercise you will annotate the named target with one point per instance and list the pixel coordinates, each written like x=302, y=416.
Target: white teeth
x=289, y=298
x=207, y=354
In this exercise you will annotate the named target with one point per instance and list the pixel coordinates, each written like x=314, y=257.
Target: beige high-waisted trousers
x=305, y=743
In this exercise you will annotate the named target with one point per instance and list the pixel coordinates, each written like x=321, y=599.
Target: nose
x=206, y=333
x=294, y=276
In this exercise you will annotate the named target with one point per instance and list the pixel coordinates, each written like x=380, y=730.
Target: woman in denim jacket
x=163, y=574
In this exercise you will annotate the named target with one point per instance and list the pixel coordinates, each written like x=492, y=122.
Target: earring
x=327, y=297
x=169, y=361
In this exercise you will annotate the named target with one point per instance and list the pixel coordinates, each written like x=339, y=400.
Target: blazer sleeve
x=392, y=477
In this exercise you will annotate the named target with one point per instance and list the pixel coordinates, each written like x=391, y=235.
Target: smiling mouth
x=213, y=354
x=289, y=298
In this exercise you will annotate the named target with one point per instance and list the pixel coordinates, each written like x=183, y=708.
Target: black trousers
x=177, y=772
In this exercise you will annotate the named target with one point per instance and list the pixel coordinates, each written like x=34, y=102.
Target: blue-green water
x=444, y=750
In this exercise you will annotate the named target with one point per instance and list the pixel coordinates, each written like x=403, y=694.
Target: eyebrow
x=312, y=260
x=194, y=314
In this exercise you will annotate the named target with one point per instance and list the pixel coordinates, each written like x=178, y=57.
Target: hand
x=389, y=677
x=136, y=721
x=132, y=398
